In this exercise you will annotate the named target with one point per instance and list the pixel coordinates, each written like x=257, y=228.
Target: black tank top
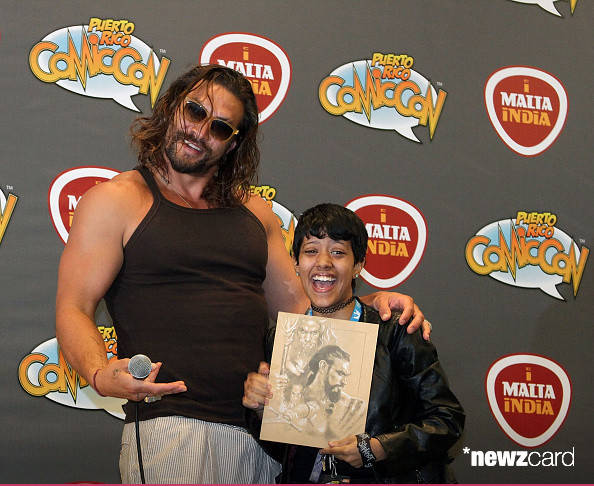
x=189, y=294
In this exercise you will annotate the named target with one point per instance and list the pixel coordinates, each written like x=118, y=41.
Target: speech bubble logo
x=7, y=206
x=286, y=219
x=504, y=252
x=362, y=94
x=548, y=5
x=72, y=58
x=287, y=222
x=44, y=372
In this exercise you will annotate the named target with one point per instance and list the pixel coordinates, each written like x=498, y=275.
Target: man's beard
x=306, y=349
x=333, y=393
x=183, y=166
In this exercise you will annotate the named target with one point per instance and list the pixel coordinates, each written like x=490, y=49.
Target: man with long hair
x=191, y=267
x=236, y=169
x=326, y=409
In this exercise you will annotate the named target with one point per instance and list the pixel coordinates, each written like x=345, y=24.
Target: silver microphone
x=139, y=366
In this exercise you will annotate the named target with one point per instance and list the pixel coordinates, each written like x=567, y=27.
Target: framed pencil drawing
x=320, y=372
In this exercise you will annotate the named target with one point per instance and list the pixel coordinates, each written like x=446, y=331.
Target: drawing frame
x=311, y=407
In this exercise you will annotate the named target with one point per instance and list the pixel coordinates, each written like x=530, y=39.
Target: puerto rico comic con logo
x=529, y=251
x=383, y=92
x=45, y=373
x=527, y=107
x=397, y=234
x=285, y=218
x=549, y=5
x=101, y=60
x=7, y=205
x=263, y=62
x=529, y=396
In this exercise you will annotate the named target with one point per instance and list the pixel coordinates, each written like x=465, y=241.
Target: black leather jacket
x=412, y=411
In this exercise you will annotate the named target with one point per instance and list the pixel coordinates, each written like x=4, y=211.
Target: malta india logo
x=263, y=62
x=527, y=107
x=67, y=189
x=529, y=396
x=397, y=237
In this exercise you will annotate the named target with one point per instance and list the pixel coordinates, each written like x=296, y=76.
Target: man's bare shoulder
x=130, y=182
x=113, y=207
x=125, y=190
x=262, y=210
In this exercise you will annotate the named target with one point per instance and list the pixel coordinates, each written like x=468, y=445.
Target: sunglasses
x=220, y=130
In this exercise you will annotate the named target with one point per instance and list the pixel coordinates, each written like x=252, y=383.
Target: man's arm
x=282, y=287
x=90, y=262
x=385, y=302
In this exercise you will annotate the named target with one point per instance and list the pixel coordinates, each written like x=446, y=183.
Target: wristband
x=364, y=446
x=95, y=383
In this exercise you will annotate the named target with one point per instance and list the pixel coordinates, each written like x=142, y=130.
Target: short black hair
x=334, y=221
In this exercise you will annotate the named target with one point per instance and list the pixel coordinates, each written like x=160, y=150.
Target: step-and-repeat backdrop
x=460, y=132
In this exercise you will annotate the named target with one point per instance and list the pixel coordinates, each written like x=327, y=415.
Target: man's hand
x=385, y=302
x=115, y=380
x=256, y=389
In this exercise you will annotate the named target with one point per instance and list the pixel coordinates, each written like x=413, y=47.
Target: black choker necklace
x=334, y=308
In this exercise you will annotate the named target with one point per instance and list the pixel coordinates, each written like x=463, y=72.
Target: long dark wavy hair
x=237, y=170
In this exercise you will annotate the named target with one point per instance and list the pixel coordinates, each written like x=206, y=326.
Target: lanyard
x=320, y=462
